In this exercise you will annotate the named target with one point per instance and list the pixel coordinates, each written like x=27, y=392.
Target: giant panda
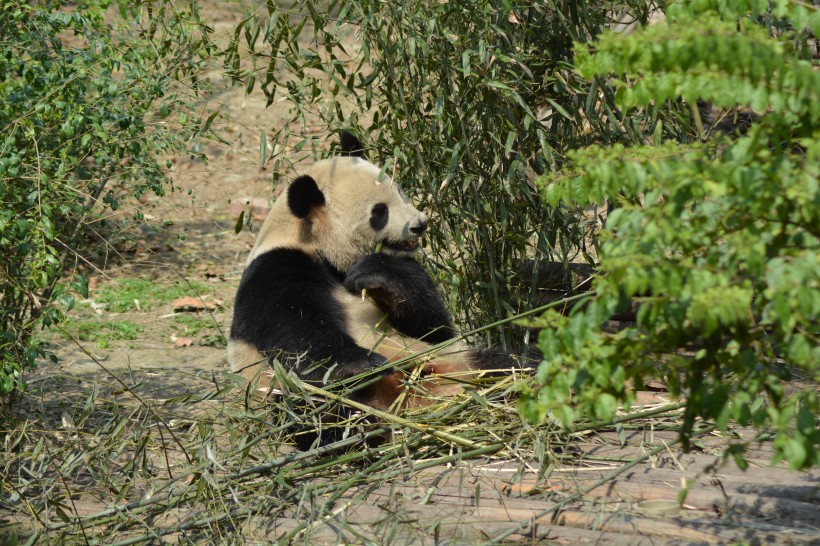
x=332, y=289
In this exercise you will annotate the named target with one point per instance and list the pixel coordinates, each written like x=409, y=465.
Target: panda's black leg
x=495, y=359
x=313, y=366
x=402, y=288
x=311, y=428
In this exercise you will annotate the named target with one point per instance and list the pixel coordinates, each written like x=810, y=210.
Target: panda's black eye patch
x=378, y=216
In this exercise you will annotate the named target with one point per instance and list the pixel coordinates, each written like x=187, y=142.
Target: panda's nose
x=420, y=228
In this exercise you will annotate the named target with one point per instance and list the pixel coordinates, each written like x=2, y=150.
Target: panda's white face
x=359, y=208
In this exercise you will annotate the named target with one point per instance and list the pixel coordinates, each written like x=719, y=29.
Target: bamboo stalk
x=391, y=418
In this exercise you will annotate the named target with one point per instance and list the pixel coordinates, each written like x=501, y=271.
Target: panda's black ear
x=304, y=195
x=351, y=145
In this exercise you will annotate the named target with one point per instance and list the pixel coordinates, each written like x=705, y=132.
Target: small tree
x=81, y=105
x=717, y=240
x=472, y=100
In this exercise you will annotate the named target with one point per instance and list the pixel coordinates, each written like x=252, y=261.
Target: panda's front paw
x=388, y=280
x=368, y=272
x=360, y=279
x=369, y=276
x=365, y=365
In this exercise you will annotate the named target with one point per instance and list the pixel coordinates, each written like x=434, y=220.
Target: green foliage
x=718, y=241
x=84, y=122
x=471, y=101
x=103, y=332
x=120, y=297
x=197, y=325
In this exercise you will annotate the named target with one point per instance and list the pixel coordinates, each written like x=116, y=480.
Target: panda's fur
x=316, y=296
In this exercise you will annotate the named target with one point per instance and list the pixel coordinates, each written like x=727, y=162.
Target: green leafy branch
x=84, y=124
x=716, y=243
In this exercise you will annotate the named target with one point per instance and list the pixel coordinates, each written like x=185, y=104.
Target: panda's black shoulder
x=279, y=266
x=278, y=286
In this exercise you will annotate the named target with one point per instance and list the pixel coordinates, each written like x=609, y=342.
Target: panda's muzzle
x=412, y=243
x=421, y=228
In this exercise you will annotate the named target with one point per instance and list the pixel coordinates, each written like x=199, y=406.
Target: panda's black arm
x=285, y=307
x=403, y=289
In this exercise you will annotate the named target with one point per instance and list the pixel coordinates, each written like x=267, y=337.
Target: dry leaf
x=190, y=303
x=183, y=342
x=68, y=422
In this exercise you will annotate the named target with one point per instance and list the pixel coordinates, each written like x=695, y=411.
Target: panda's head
x=349, y=207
